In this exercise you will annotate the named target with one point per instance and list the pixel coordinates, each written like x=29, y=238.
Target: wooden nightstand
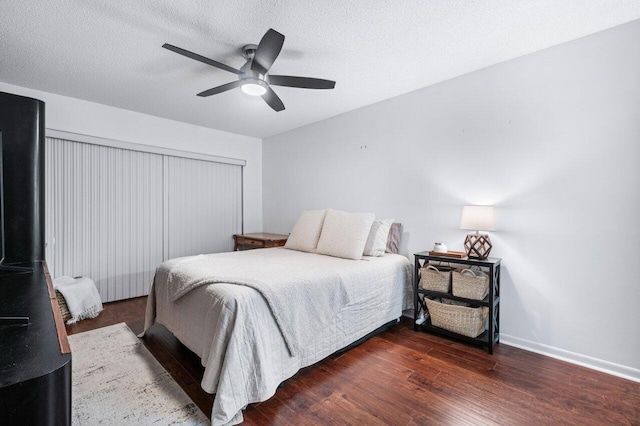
x=258, y=240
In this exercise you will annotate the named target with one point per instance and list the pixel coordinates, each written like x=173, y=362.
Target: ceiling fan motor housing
x=247, y=72
x=248, y=75
x=253, y=82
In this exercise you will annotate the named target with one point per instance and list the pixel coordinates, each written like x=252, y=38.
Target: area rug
x=116, y=381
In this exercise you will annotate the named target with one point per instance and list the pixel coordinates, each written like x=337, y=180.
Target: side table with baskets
x=460, y=298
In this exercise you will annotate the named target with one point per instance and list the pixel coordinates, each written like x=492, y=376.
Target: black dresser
x=35, y=359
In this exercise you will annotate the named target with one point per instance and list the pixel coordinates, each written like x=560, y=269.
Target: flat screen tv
x=1, y=205
x=6, y=269
x=21, y=183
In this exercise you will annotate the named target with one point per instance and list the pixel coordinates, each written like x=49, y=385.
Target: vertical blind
x=115, y=214
x=204, y=204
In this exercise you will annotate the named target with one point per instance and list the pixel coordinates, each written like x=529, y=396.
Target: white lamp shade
x=477, y=218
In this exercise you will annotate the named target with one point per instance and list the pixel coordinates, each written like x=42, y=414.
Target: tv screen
x=21, y=182
x=1, y=204
x=4, y=268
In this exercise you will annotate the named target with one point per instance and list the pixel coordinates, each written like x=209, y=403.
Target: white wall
x=552, y=139
x=88, y=118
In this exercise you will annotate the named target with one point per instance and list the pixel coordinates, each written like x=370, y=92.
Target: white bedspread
x=242, y=349
x=303, y=297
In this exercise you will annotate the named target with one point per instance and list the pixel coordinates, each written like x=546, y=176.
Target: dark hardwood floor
x=401, y=377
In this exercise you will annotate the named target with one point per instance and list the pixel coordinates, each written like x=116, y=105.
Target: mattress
x=231, y=328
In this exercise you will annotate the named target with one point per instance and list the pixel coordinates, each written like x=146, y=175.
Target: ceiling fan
x=253, y=76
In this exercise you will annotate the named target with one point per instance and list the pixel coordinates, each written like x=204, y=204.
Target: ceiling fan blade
x=220, y=89
x=301, y=82
x=267, y=51
x=273, y=100
x=200, y=58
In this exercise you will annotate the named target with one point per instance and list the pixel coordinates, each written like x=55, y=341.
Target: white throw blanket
x=81, y=296
x=302, y=302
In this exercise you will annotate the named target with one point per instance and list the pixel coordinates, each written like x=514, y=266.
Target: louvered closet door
x=204, y=205
x=104, y=215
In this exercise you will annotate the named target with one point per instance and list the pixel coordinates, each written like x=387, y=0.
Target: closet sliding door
x=115, y=214
x=104, y=216
x=204, y=206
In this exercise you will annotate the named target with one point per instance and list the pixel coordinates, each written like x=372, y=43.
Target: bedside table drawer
x=249, y=242
x=259, y=240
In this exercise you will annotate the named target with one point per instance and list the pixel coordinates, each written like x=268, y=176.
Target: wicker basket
x=63, y=306
x=453, y=302
x=470, y=284
x=434, y=279
x=469, y=322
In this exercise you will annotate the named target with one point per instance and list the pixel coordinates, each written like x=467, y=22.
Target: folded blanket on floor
x=81, y=296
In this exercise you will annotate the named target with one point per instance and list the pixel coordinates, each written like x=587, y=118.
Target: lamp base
x=477, y=246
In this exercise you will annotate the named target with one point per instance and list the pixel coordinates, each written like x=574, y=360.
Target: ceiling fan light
x=254, y=88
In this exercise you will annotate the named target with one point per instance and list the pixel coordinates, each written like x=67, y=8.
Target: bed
x=232, y=327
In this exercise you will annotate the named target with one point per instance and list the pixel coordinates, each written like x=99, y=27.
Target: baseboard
x=572, y=357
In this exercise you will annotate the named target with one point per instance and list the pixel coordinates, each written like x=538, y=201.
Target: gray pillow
x=393, y=241
x=378, y=236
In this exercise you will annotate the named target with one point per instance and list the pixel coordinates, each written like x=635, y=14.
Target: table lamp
x=477, y=218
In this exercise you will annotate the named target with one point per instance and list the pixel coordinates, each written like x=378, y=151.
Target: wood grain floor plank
x=529, y=378
x=358, y=360
x=400, y=355
x=501, y=404
x=405, y=395
x=338, y=410
x=621, y=390
x=254, y=417
x=469, y=353
x=577, y=401
x=364, y=392
x=274, y=411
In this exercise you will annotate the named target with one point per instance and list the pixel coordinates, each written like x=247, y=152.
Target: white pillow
x=377, y=241
x=344, y=234
x=306, y=231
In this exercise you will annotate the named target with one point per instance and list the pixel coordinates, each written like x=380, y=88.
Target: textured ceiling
x=110, y=51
